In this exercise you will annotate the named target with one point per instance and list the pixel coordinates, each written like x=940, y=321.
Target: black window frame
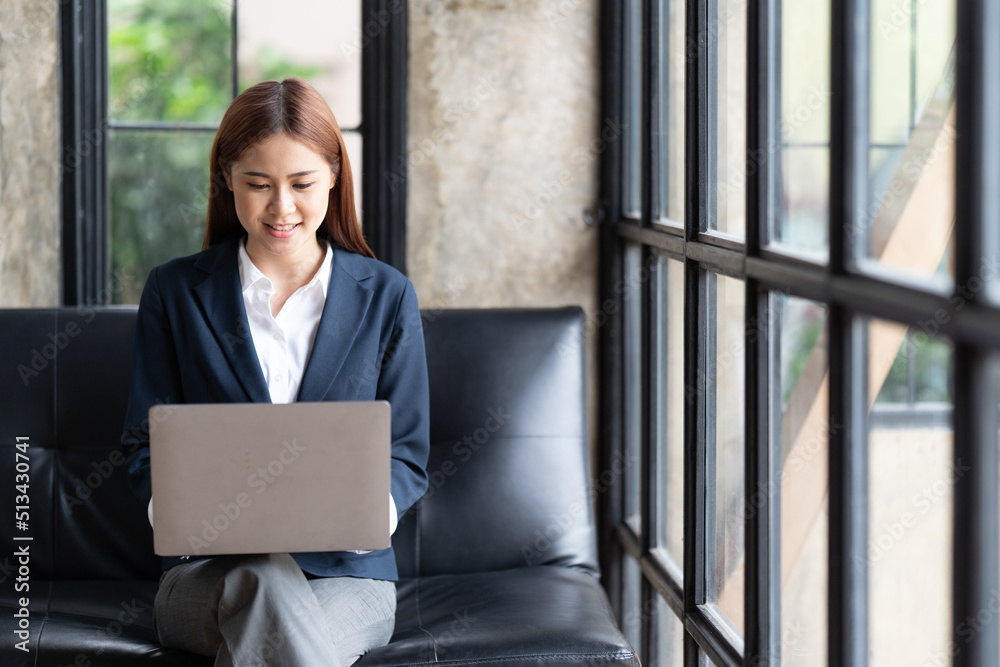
x=850, y=295
x=85, y=235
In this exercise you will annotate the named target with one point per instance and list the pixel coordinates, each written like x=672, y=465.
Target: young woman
x=284, y=303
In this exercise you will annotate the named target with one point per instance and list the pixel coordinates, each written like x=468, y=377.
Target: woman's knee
x=262, y=574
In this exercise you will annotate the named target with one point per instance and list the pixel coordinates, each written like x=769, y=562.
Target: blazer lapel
x=347, y=301
x=221, y=298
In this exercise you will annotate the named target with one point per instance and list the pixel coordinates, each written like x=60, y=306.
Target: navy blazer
x=193, y=345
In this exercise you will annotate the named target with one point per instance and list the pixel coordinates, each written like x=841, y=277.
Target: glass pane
x=169, y=60
x=632, y=603
x=909, y=221
x=731, y=146
x=673, y=62
x=803, y=388
x=669, y=636
x=726, y=358
x=805, y=203
x=911, y=481
x=804, y=179
x=632, y=93
x=670, y=346
x=632, y=297
x=317, y=40
x=159, y=197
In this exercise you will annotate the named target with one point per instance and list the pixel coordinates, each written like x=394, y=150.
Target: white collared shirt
x=283, y=342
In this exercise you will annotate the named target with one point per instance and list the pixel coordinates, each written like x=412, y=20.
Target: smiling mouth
x=283, y=228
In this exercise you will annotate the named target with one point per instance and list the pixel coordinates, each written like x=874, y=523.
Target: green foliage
x=159, y=182
x=929, y=359
x=270, y=65
x=169, y=60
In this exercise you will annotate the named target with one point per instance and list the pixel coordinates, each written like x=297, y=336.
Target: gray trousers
x=249, y=611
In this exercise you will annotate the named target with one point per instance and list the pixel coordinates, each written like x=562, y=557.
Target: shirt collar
x=250, y=275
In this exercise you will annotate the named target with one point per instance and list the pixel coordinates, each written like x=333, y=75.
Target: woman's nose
x=282, y=202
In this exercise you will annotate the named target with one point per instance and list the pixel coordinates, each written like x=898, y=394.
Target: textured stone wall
x=504, y=150
x=29, y=153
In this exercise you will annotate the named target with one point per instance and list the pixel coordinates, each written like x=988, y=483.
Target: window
x=802, y=372
x=138, y=134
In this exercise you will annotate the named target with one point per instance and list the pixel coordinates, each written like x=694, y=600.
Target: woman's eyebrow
x=260, y=174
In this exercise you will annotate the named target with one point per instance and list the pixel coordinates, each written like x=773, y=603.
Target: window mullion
x=762, y=595
x=83, y=52
x=762, y=502
x=848, y=583
x=698, y=125
x=975, y=555
x=763, y=139
x=383, y=122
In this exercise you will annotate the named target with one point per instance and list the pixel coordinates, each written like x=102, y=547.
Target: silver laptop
x=244, y=478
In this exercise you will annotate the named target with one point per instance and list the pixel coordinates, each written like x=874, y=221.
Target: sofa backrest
x=64, y=382
x=509, y=480
x=508, y=466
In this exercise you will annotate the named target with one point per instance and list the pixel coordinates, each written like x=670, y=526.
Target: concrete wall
x=504, y=150
x=503, y=156
x=29, y=153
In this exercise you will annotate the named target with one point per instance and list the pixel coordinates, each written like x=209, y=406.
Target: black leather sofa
x=497, y=563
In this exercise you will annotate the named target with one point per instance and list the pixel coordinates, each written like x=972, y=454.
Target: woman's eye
x=257, y=186
x=302, y=186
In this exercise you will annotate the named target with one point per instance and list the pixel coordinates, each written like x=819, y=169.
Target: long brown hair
x=262, y=111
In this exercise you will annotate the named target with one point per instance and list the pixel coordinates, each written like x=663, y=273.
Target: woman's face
x=282, y=189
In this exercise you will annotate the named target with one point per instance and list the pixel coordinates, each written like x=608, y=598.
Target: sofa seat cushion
x=89, y=623
x=550, y=616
